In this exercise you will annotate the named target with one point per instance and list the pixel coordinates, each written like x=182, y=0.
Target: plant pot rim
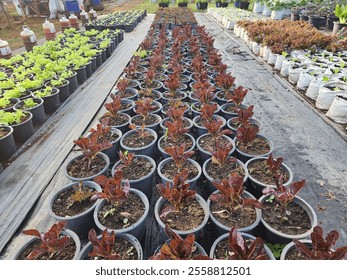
x=90, y=178
x=132, y=239
x=310, y=212
x=245, y=236
x=168, y=119
x=130, y=132
x=197, y=165
x=208, y=177
x=244, y=229
x=101, y=202
x=251, y=120
x=151, y=125
x=202, y=127
x=269, y=141
x=89, y=184
x=161, y=200
x=163, y=137
x=290, y=245
x=286, y=168
x=209, y=153
x=154, y=167
x=10, y=131
x=39, y=101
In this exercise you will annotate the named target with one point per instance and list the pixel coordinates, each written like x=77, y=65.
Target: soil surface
x=170, y=170
x=123, y=214
x=119, y=120
x=125, y=106
x=259, y=170
x=136, y=141
x=295, y=254
x=217, y=172
x=126, y=94
x=66, y=206
x=139, y=168
x=186, y=123
x=79, y=168
x=190, y=217
x=3, y=133
x=258, y=146
x=67, y=254
x=139, y=120
x=110, y=136
x=122, y=247
x=297, y=222
x=147, y=93
x=241, y=217
x=10, y=105
x=207, y=142
x=183, y=139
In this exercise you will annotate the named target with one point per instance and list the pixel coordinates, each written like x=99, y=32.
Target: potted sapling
x=176, y=112
x=55, y=244
x=234, y=103
x=236, y=245
x=125, y=91
x=225, y=82
x=180, y=207
x=117, y=119
x=120, y=208
x=73, y=204
x=178, y=248
x=216, y=135
x=35, y=106
x=220, y=165
x=179, y=159
x=92, y=162
x=139, y=140
x=144, y=107
x=316, y=248
x=286, y=216
x=138, y=170
x=244, y=115
x=50, y=96
x=231, y=206
x=263, y=172
x=108, y=246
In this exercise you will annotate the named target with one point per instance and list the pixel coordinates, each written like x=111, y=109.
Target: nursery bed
x=312, y=148
x=312, y=145
x=37, y=169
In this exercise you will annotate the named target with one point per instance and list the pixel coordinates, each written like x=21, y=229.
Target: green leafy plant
x=4, y=102
x=52, y=243
x=276, y=249
x=9, y=118
x=47, y=91
x=341, y=13
x=29, y=103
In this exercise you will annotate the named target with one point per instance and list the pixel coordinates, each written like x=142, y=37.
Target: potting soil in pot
x=135, y=141
x=259, y=170
x=258, y=146
x=139, y=168
x=170, y=170
x=190, y=217
x=123, y=214
x=217, y=172
x=80, y=168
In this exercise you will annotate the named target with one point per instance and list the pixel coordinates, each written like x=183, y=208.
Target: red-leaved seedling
x=144, y=107
x=149, y=77
x=207, y=112
x=126, y=158
x=214, y=128
x=52, y=243
x=221, y=155
x=177, y=193
x=103, y=247
x=178, y=248
x=176, y=111
x=242, y=251
x=175, y=130
x=231, y=193
x=204, y=91
x=113, y=188
x=173, y=83
x=114, y=106
x=225, y=81
x=122, y=85
x=282, y=194
x=90, y=146
x=179, y=155
x=244, y=115
x=246, y=133
x=102, y=129
x=274, y=166
x=322, y=248
x=237, y=95
x=140, y=130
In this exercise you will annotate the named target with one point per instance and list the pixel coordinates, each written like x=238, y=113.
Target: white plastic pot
x=338, y=109
x=326, y=96
x=277, y=14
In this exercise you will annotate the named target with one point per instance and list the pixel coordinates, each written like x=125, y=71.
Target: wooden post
x=3, y=8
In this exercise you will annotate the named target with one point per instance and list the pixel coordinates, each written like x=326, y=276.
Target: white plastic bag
x=55, y=6
x=326, y=94
x=338, y=109
x=285, y=67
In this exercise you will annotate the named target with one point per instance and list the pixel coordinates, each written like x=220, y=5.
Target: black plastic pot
x=294, y=17
x=317, y=21
x=196, y=231
x=338, y=26
x=330, y=21
x=304, y=17
x=73, y=83
x=81, y=223
x=51, y=102
x=23, y=131
x=98, y=60
x=64, y=91
x=89, y=69
x=145, y=183
x=137, y=229
x=244, y=5
x=7, y=144
x=81, y=74
x=86, y=249
x=39, y=115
